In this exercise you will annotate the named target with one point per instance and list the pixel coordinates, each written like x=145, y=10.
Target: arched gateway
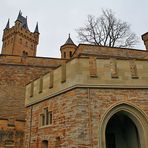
x=124, y=126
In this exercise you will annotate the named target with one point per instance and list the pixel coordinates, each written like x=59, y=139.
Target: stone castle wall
x=83, y=91
x=109, y=72
x=78, y=114
x=15, y=73
x=85, y=50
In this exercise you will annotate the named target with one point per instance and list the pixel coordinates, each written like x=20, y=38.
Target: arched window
x=70, y=54
x=44, y=144
x=24, y=54
x=64, y=54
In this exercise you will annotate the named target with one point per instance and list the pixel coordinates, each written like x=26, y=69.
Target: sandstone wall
x=15, y=73
x=102, y=51
x=92, y=72
x=82, y=91
x=77, y=115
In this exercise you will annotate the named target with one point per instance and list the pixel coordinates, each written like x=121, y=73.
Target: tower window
x=70, y=53
x=18, y=24
x=24, y=54
x=64, y=54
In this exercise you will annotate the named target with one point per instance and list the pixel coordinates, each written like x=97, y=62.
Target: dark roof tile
x=23, y=20
x=69, y=41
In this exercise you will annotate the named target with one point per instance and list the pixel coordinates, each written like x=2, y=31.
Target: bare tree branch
x=107, y=30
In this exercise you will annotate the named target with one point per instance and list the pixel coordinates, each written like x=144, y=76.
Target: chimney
x=145, y=40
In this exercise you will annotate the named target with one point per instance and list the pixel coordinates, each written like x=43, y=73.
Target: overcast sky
x=58, y=18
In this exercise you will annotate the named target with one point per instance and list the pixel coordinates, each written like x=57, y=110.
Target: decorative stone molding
x=40, y=84
x=133, y=69
x=51, y=78
x=92, y=67
x=32, y=89
x=63, y=72
x=114, y=69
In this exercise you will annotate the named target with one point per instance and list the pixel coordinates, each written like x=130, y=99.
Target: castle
x=93, y=96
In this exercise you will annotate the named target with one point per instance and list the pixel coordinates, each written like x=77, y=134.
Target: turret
x=18, y=39
x=36, y=29
x=145, y=40
x=8, y=24
x=68, y=49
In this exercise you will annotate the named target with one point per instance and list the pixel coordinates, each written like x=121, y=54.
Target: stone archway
x=44, y=144
x=124, y=113
x=121, y=132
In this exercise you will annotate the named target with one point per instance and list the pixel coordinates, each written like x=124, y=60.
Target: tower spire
x=69, y=40
x=8, y=24
x=19, y=15
x=36, y=28
x=22, y=20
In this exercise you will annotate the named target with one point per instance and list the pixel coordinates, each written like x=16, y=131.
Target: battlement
x=89, y=72
x=22, y=32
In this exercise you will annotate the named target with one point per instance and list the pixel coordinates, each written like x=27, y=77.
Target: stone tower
x=19, y=40
x=68, y=49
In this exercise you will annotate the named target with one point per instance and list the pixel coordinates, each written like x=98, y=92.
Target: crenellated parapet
x=22, y=32
x=89, y=72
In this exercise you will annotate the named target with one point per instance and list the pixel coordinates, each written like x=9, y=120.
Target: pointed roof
x=36, y=28
x=69, y=41
x=23, y=20
x=19, y=16
x=8, y=24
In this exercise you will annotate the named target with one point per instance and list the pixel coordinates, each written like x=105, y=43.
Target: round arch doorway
x=121, y=132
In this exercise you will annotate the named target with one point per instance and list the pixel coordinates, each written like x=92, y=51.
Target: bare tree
x=107, y=30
